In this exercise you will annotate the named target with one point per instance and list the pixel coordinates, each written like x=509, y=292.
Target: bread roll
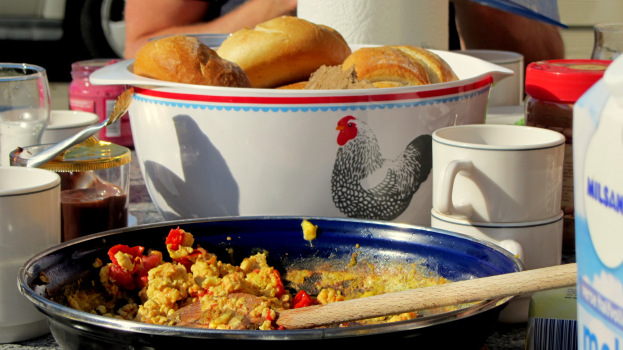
x=184, y=59
x=392, y=66
x=284, y=50
x=438, y=70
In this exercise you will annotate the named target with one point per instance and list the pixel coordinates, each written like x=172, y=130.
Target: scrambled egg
x=337, y=284
x=141, y=286
x=309, y=231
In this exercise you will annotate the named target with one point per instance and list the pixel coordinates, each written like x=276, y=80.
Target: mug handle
x=446, y=186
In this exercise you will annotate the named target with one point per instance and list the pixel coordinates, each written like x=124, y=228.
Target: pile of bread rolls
x=284, y=53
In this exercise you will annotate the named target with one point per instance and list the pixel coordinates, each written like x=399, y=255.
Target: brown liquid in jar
x=101, y=207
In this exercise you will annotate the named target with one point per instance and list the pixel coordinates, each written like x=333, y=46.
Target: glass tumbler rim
x=608, y=26
x=30, y=71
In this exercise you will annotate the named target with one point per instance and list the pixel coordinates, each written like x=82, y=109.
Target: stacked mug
x=502, y=184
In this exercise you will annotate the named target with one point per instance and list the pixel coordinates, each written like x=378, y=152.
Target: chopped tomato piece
x=280, y=289
x=150, y=261
x=134, y=251
x=147, y=263
x=175, y=238
x=186, y=261
x=302, y=299
x=121, y=277
x=142, y=264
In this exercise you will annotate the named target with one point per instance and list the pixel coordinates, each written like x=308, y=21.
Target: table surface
x=504, y=336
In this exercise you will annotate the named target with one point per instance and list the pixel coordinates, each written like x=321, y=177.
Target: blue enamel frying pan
x=451, y=255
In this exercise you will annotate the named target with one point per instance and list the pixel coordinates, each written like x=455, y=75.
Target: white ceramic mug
x=497, y=173
x=536, y=243
x=30, y=221
x=66, y=123
x=510, y=91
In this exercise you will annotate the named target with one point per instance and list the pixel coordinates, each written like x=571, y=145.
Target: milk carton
x=598, y=182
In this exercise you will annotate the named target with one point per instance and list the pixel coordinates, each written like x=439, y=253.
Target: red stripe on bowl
x=291, y=100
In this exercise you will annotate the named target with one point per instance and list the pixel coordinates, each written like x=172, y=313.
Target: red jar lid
x=563, y=80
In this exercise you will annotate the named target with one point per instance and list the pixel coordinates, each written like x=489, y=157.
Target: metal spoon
x=121, y=106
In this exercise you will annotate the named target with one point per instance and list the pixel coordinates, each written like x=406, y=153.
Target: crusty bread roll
x=284, y=50
x=439, y=71
x=392, y=66
x=185, y=59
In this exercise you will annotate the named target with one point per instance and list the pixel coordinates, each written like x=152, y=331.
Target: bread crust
x=284, y=50
x=385, y=65
x=185, y=59
x=402, y=65
x=438, y=70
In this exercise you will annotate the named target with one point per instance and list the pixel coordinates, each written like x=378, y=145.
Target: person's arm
x=484, y=27
x=151, y=18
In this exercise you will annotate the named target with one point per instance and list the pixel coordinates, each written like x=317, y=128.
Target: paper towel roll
x=421, y=23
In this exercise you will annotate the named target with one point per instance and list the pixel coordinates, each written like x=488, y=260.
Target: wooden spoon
x=455, y=293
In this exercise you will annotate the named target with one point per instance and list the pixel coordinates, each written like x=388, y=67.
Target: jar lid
x=91, y=154
x=89, y=66
x=563, y=80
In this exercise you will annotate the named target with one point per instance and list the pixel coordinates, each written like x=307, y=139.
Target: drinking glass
x=24, y=106
x=608, y=41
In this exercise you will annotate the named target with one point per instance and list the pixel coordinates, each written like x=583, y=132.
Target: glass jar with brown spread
x=95, y=184
x=552, y=88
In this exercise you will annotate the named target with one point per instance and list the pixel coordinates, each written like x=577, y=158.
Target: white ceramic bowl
x=66, y=123
x=211, y=151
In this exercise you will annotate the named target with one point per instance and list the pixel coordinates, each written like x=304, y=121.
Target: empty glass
x=24, y=106
x=608, y=41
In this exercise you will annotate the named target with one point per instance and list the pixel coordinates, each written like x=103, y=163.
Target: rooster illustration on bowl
x=367, y=185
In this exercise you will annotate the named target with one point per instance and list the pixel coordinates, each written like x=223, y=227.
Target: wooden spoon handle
x=480, y=289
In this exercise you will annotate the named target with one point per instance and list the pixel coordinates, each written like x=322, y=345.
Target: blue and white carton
x=598, y=182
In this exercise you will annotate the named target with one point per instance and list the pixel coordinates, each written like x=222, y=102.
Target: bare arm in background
x=483, y=27
x=151, y=18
